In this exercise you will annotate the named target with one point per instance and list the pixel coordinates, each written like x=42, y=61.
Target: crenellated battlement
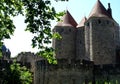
x=64, y=64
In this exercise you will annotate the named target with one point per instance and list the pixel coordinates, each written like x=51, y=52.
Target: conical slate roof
x=82, y=22
x=67, y=20
x=99, y=10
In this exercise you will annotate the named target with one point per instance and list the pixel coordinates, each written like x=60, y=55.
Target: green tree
x=15, y=74
x=19, y=75
x=38, y=15
x=8, y=9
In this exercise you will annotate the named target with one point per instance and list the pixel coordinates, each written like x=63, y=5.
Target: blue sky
x=81, y=8
x=21, y=41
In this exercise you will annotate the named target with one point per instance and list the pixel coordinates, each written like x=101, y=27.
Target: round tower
x=80, y=40
x=100, y=36
x=65, y=47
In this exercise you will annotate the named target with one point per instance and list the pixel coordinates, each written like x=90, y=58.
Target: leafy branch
x=38, y=16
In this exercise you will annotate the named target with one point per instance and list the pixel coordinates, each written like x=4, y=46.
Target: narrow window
x=88, y=24
x=80, y=42
x=113, y=24
x=99, y=21
x=69, y=30
x=98, y=52
x=59, y=53
x=107, y=22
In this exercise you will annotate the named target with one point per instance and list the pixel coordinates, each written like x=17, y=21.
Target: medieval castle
x=88, y=53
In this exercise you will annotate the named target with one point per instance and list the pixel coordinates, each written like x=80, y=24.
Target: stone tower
x=101, y=35
x=65, y=47
x=80, y=40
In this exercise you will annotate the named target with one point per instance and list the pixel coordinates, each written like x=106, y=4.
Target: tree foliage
x=8, y=8
x=20, y=75
x=38, y=15
x=15, y=74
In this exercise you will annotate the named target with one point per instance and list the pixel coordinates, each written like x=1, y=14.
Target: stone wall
x=107, y=74
x=76, y=73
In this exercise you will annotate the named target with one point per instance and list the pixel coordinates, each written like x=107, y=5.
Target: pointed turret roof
x=99, y=10
x=82, y=22
x=67, y=20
